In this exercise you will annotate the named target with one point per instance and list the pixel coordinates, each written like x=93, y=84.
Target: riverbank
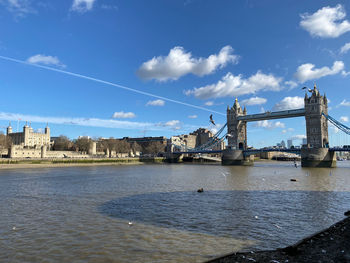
x=49, y=163
x=329, y=245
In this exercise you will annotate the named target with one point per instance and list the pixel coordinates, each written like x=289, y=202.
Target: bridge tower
x=236, y=129
x=237, y=137
x=316, y=153
x=316, y=123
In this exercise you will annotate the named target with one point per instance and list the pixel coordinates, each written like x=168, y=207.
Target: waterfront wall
x=21, y=152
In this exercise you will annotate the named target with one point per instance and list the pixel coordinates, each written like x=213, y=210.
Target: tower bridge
x=316, y=153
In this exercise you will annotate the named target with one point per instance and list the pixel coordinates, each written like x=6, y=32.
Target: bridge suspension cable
x=337, y=124
x=210, y=143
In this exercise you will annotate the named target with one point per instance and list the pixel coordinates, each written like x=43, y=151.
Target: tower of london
x=28, y=138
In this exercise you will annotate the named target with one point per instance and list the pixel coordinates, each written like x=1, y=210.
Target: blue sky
x=161, y=67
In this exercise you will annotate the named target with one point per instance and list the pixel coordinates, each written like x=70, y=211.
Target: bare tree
x=5, y=142
x=154, y=148
x=122, y=146
x=82, y=144
x=135, y=147
x=62, y=143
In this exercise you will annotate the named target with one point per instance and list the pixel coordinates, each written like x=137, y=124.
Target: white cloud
x=46, y=60
x=82, y=6
x=291, y=84
x=109, y=7
x=279, y=124
x=254, y=101
x=324, y=23
x=270, y=124
x=90, y=122
x=96, y=122
x=345, y=103
x=289, y=103
x=192, y=116
x=288, y=130
x=20, y=8
x=155, y=103
x=298, y=137
x=344, y=73
x=344, y=49
x=307, y=71
x=231, y=86
x=123, y=115
x=179, y=63
x=344, y=118
x=209, y=103
x=172, y=123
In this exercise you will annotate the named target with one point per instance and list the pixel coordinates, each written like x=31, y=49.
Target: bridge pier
x=235, y=157
x=174, y=157
x=318, y=157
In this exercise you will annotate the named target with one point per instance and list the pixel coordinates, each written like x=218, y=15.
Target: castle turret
x=9, y=129
x=47, y=129
x=26, y=132
x=47, y=132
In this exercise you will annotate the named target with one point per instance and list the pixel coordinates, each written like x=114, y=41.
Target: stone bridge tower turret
x=236, y=129
x=317, y=154
x=316, y=123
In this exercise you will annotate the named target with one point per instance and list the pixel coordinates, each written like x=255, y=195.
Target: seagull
x=309, y=90
x=211, y=119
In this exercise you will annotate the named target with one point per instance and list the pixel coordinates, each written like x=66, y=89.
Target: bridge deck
x=273, y=115
x=255, y=151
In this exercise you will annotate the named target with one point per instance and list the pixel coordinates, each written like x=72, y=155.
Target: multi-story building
x=195, y=139
x=28, y=138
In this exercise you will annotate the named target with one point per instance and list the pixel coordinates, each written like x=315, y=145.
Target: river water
x=153, y=213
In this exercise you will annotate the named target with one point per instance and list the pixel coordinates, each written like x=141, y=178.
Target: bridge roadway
x=255, y=151
x=273, y=115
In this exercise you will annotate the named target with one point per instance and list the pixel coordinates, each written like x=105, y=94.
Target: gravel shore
x=328, y=246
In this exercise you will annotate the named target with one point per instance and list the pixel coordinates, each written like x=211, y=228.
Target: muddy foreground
x=329, y=245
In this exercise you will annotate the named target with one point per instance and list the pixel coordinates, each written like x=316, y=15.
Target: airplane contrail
x=109, y=83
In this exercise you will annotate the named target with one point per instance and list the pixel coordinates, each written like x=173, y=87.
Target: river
x=153, y=213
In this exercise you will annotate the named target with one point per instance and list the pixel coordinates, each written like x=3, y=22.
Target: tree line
x=63, y=143
x=83, y=144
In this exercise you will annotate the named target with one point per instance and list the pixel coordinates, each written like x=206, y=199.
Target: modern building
x=304, y=141
x=289, y=143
